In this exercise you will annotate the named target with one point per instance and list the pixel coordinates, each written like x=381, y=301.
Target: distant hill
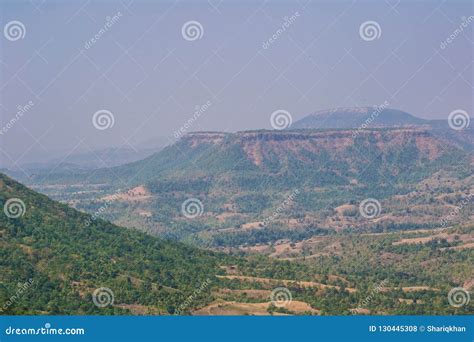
x=251, y=174
x=246, y=176
x=112, y=156
x=105, y=157
x=353, y=124
x=290, y=158
x=68, y=255
x=359, y=118
x=356, y=117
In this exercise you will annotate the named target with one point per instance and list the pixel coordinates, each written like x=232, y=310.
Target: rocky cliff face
x=304, y=156
x=261, y=145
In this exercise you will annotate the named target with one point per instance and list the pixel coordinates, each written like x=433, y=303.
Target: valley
x=258, y=189
x=335, y=220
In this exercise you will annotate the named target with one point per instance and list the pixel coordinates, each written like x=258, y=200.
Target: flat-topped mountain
x=251, y=173
x=312, y=157
x=333, y=134
x=243, y=178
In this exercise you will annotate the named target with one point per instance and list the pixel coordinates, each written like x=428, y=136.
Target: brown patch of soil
x=257, y=309
x=139, y=193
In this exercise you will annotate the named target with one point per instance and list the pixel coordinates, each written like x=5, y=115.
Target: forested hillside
x=56, y=260
x=67, y=256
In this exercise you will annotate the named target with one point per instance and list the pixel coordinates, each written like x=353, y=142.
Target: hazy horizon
x=137, y=61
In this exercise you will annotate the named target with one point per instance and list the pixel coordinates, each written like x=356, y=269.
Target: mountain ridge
x=360, y=118
x=353, y=117
x=215, y=152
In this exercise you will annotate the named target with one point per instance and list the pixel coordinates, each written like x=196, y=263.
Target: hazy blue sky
x=144, y=71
